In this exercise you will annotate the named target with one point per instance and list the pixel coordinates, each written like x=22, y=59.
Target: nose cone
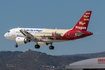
x=5, y=35
x=9, y=36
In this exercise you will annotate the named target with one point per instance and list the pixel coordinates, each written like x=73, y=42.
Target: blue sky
x=61, y=14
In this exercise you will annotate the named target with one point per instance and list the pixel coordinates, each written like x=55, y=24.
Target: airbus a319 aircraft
x=44, y=37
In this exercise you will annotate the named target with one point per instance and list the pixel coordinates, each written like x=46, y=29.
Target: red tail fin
x=82, y=24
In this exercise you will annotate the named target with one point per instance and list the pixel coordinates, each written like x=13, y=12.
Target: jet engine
x=21, y=40
x=42, y=43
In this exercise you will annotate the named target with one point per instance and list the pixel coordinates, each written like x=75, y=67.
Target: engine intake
x=21, y=40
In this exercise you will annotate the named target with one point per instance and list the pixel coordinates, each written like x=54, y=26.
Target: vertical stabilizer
x=82, y=24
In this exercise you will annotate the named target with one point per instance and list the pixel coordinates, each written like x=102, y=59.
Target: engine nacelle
x=21, y=40
x=42, y=43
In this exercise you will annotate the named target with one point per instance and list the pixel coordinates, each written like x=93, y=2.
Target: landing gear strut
x=51, y=47
x=37, y=46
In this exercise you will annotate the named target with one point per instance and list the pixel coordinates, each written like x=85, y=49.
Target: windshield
x=8, y=31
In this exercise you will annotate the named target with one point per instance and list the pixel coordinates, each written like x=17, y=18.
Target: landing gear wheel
x=16, y=45
x=51, y=47
x=37, y=46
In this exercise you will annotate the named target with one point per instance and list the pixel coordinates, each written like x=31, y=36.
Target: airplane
x=43, y=36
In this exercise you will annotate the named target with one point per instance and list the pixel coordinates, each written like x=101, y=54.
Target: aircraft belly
x=50, y=41
x=58, y=40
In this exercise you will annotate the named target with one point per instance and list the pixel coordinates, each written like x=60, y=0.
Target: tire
x=16, y=46
x=51, y=47
x=37, y=46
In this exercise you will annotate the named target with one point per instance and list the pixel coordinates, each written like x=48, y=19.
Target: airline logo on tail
x=80, y=27
x=86, y=17
x=82, y=24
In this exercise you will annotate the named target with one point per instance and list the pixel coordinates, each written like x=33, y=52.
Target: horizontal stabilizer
x=78, y=33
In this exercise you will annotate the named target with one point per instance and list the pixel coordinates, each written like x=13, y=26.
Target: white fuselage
x=15, y=32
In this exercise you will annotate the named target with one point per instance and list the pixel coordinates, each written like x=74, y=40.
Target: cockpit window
x=8, y=31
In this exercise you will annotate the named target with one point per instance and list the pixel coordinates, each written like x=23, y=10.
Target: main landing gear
x=50, y=47
x=37, y=46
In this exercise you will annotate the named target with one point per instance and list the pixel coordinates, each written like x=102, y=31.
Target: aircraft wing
x=78, y=33
x=30, y=36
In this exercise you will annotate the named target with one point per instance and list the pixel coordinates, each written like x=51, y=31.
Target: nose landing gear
x=16, y=45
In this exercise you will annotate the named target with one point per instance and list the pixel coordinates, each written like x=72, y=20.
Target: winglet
x=82, y=24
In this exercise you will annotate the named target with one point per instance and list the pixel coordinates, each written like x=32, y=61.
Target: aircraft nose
x=5, y=35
